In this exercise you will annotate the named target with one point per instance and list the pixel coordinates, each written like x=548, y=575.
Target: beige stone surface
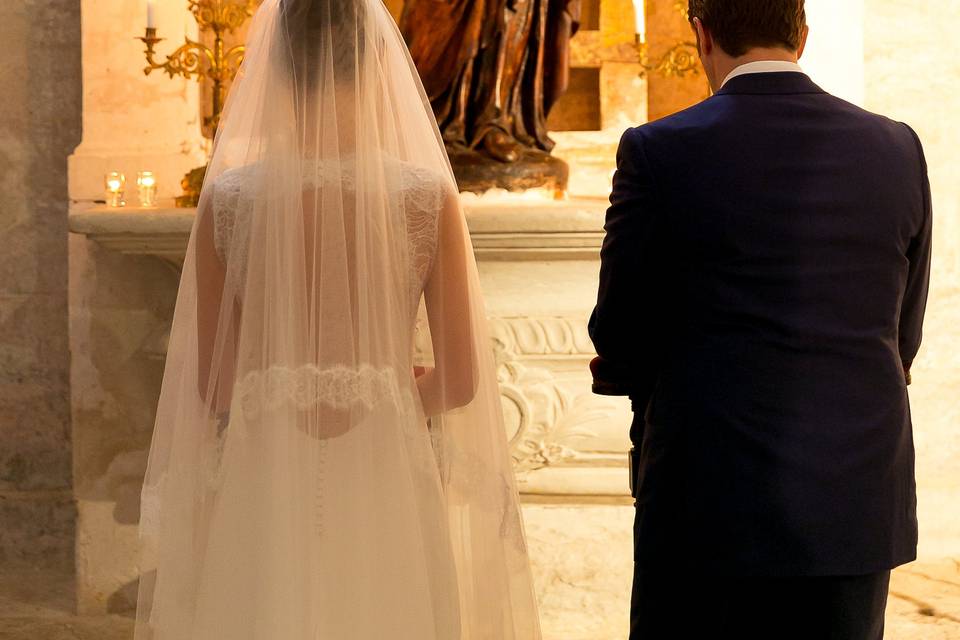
x=38, y=605
x=39, y=125
x=584, y=589
x=834, y=53
x=37, y=529
x=582, y=562
x=912, y=66
x=582, y=566
x=133, y=122
x=120, y=304
x=924, y=602
x=592, y=157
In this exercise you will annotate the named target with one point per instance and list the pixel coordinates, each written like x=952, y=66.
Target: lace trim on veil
x=303, y=388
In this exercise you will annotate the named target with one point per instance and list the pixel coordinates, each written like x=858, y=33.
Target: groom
x=762, y=291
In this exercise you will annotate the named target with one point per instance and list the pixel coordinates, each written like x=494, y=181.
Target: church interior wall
x=912, y=62
x=39, y=126
x=77, y=431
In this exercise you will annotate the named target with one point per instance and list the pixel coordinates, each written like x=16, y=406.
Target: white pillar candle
x=151, y=15
x=640, y=11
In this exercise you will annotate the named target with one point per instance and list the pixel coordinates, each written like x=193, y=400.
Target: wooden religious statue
x=492, y=70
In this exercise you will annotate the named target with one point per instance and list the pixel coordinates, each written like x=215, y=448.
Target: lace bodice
x=420, y=190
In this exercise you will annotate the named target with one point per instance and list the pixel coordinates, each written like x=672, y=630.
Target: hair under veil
x=293, y=489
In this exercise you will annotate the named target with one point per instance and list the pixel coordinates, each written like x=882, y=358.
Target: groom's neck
x=724, y=64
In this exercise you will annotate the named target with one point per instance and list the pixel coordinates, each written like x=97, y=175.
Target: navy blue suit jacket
x=763, y=281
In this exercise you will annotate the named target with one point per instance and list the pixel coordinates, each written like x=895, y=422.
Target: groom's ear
x=803, y=41
x=704, y=38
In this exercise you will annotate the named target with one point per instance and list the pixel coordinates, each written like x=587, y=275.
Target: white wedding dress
x=294, y=490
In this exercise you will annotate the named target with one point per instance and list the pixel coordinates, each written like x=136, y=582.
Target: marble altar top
x=504, y=228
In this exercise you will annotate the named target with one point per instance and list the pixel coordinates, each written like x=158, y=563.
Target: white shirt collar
x=763, y=66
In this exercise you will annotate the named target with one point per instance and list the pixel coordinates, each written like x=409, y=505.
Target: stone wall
x=912, y=71
x=834, y=52
x=121, y=305
x=39, y=125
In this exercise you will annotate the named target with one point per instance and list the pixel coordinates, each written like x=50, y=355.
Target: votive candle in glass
x=114, y=183
x=147, y=188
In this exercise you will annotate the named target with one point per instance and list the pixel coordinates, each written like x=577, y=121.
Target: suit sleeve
x=918, y=278
x=625, y=325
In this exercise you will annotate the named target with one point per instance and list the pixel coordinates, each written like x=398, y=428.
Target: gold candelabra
x=198, y=61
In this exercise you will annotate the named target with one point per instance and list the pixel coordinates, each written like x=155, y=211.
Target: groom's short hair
x=740, y=25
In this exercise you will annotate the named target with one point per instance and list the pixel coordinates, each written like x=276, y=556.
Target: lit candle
x=151, y=14
x=640, y=13
x=114, y=182
x=147, y=188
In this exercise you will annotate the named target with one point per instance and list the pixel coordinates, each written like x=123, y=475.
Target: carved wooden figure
x=492, y=70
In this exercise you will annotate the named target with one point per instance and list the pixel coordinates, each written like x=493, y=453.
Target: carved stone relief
x=548, y=423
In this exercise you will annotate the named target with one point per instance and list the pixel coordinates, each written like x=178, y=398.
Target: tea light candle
x=151, y=14
x=147, y=188
x=114, y=183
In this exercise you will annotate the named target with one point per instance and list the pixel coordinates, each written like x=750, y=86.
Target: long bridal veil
x=294, y=489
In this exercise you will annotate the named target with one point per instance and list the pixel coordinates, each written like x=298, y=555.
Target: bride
x=329, y=460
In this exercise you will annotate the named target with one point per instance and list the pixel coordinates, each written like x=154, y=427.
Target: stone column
x=120, y=305
x=39, y=125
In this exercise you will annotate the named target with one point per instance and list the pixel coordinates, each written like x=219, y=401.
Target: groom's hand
x=610, y=379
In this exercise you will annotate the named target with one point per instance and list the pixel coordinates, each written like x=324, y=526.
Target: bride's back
x=416, y=193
